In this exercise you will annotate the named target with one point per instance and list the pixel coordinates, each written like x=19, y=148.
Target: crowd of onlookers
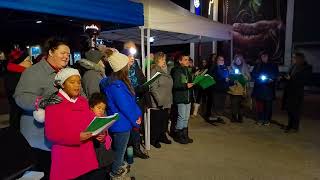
x=51, y=104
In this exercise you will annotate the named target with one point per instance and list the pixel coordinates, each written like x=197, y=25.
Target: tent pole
x=145, y=115
x=148, y=77
x=143, y=56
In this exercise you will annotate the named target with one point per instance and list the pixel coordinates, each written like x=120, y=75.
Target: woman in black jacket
x=264, y=75
x=137, y=79
x=18, y=62
x=296, y=78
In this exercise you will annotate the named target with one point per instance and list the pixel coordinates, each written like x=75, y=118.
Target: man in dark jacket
x=182, y=98
x=296, y=78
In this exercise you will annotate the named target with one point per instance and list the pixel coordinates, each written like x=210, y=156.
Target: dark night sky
x=306, y=26
x=306, y=19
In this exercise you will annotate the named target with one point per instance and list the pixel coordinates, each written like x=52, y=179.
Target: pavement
x=235, y=151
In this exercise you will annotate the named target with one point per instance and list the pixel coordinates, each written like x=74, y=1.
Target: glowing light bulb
x=236, y=71
x=263, y=77
x=151, y=39
x=132, y=51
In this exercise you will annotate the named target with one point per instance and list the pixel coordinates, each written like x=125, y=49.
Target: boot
x=195, y=109
x=138, y=153
x=186, y=135
x=234, y=118
x=173, y=133
x=179, y=137
x=164, y=139
x=155, y=144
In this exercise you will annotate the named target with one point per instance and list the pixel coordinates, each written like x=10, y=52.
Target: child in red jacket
x=72, y=152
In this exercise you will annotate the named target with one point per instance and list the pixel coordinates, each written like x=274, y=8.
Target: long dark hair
x=123, y=75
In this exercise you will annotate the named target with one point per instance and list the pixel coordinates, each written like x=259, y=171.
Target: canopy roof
x=172, y=24
x=116, y=11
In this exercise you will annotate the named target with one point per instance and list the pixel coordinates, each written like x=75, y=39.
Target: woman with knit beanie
x=120, y=99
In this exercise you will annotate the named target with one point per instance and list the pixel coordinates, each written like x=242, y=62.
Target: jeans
x=119, y=145
x=183, y=116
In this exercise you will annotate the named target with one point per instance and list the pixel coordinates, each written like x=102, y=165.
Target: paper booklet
x=151, y=80
x=98, y=124
x=204, y=81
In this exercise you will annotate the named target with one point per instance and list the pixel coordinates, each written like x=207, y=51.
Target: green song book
x=238, y=77
x=204, y=81
x=151, y=80
x=98, y=124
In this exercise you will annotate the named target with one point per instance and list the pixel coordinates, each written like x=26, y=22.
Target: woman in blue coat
x=264, y=76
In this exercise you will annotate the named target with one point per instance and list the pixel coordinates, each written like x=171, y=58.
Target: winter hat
x=94, y=56
x=64, y=74
x=117, y=61
x=17, y=56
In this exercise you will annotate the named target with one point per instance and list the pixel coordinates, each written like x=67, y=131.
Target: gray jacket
x=92, y=77
x=35, y=81
x=161, y=89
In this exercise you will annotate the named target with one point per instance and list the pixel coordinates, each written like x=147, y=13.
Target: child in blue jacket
x=120, y=99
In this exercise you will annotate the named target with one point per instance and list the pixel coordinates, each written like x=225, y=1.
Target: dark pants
x=99, y=174
x=173, y=118
x=158, y=124
x=15, y=113
x=135, y=138
x=236, y=105
x=43, y=162
x=210, y=101
x=119, y=146
x=220, y=101
x=200, y=95
x=294, y=119
x=264, y=110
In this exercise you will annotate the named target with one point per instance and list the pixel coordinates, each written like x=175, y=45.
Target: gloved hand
x=49, y=100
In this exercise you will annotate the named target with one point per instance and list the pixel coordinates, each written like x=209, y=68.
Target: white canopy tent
x=169, y=24
x=172, y=24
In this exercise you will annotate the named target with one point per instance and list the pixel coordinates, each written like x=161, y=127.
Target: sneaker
x=259, y=123
x=266, y=124
x=120, y=176
x=125, y=167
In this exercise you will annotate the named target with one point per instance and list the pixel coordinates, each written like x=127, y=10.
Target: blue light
x=236, y=71
x=263, y=77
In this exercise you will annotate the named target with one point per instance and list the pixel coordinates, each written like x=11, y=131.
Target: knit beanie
x=64, y=74
x=117, y=61
x=94, y=56
x=17, y=56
